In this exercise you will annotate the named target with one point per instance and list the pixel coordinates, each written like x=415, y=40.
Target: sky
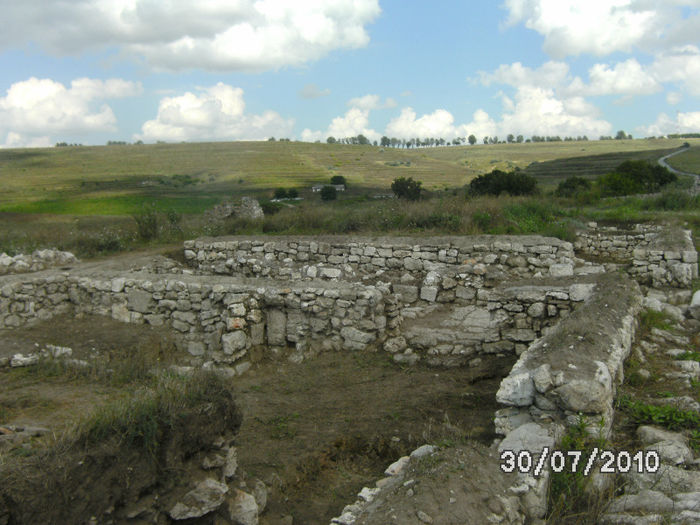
x=91, y=71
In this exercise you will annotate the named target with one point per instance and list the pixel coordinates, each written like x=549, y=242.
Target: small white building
x=319, y=187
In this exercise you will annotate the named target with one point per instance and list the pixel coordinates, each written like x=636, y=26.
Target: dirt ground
x=315, y=433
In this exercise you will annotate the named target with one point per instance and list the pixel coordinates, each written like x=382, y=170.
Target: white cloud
x=34, y=109
x=538, y=111
x=438, y=124
x=354, y=122
x=602, y=27
x=550, y=74
x=371, y=102
x=680, y=65
x=683, y=123
x=624, y=78
x=533, y=111
x=215, y=113
x=239, y=35
x=311, y=91
x=673, y=98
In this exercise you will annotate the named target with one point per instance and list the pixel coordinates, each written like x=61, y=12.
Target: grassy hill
x=190, y=177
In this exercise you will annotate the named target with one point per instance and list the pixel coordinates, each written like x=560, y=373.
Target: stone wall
x=572, y=372
x=37, y=261
x=669, y=259
x=660, y=255
x=610, y=242
x=231, y=321
x=227, y=321
x=334, y=257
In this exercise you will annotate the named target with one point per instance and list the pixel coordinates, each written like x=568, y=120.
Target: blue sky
x=90, y=71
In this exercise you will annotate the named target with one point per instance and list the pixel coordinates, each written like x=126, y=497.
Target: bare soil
x=315, y=433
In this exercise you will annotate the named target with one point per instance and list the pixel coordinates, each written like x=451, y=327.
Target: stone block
x=276, y=327
x=429, y=293
x=139, y=301
x=234, y=342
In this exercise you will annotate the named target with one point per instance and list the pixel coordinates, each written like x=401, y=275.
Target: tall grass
x=444, y=215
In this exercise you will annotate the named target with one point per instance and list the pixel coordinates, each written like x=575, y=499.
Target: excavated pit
x=365, y=317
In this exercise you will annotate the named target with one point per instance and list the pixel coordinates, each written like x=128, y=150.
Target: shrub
x=572, y=186
x=280, y=193
x=328, y=193
x=497, y=182
x=293, y=193
x=269, y=207
x=406, y=188
x=147, y=222
x=339, y=179
x=635, y=176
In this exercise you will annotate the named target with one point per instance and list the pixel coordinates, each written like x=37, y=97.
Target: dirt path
x=662, y=162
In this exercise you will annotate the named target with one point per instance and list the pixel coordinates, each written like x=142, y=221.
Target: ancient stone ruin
x=568, y=311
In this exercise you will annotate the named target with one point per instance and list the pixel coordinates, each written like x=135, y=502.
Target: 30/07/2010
x=611, y=461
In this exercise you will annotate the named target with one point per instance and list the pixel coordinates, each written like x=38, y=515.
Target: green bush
x=572, y=186
x=329, y=193
x=497, y=182
x=293, y=193
x=269, y=207
x=280, y=193
x=406, y=188
x=147, y=222
x=635, y=176
x=339, y=179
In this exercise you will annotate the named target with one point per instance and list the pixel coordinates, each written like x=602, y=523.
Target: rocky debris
x=671, y=492
x=56, y=352
x=452, y=486
x=17, y=436
x=37, y=261
x=247, y=208
x=207, y=496
x=243, y=508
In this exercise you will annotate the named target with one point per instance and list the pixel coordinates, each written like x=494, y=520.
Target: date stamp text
x=609, y=461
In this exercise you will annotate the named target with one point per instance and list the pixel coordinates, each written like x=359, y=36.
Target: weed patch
x=667, y=416
x=569, y=499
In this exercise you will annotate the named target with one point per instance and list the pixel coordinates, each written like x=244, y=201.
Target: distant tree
x=472, y=140
x=406, y=188
x=292, y=193
x=280, y=193
x=339, y=179
x=621, y=135
x=361, y=139
x=497, y=182
x=271, y=139
x=331, y=140
x=510, y=138
x=519, y=139
x=486, y=140
x=329, y=193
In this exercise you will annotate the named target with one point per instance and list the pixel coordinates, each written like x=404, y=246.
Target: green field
x=688, y=161
x=117, y=180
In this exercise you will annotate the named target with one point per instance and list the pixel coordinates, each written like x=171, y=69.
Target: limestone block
x=276, y=327
x=139, y=301
x=561, y=270
x=233, y=342
x=429, y=293
x=516, y=390
x=206, y=497
x=409, y=294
